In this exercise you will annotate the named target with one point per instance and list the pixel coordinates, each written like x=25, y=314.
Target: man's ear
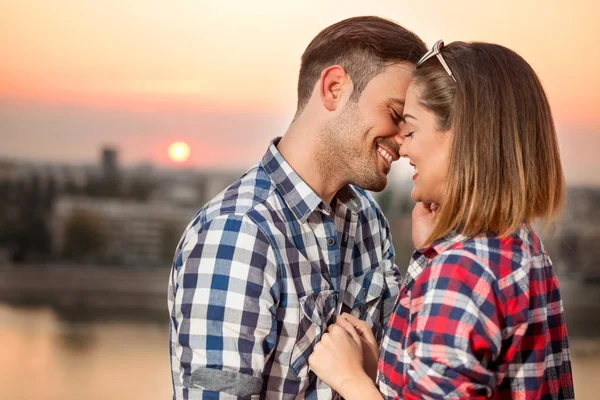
x=334, y=83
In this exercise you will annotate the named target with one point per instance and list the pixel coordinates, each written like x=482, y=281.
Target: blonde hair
x=505, y=167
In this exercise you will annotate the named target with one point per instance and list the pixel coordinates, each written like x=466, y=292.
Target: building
x=133, y=233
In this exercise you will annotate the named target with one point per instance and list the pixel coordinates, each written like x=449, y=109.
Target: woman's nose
x=402, y=150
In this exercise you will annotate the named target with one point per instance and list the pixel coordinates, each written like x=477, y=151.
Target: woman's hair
x=505, y=167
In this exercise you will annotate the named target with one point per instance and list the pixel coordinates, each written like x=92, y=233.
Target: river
x=44, y=357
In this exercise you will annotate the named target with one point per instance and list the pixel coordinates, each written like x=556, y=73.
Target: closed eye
x=395, y=116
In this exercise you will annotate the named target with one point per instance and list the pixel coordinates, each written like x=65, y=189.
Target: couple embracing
x=285, y=286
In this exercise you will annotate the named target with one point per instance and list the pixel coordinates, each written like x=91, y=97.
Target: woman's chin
x=415, y=195
x=419, y=197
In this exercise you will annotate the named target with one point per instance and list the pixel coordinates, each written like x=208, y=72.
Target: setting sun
x=179, y=151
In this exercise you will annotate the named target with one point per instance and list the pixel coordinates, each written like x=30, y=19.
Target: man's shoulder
x=240, y=198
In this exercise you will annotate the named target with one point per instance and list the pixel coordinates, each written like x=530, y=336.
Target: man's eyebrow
x=397, y=101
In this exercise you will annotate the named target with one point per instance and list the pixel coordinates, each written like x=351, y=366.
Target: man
x=265, y=267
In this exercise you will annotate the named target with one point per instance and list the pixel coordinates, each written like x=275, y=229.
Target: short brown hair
x=505, y=167
x=363, y=46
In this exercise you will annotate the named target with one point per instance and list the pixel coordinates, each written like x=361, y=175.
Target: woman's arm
x=455, y=334
x=370, y=347
x=363, y=389
x=338, y=361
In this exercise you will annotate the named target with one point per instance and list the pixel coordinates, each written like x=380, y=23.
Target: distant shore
x=89, y=292
x=84, y=292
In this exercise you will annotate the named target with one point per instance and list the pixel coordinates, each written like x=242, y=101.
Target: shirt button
x=330, y=242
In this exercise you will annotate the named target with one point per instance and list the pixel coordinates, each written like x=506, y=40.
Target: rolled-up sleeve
x=223, y=294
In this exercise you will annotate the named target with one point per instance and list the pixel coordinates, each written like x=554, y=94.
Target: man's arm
x=223, y=295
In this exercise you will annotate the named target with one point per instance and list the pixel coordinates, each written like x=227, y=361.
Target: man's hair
x=363, y=46
x=505, y=167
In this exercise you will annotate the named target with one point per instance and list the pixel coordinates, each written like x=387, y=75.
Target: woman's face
x=427, y=149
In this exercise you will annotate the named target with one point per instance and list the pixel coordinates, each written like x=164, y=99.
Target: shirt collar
x=296, y=193
x=421, y=256
x=349, y=197
x=524, y=232
x=443, y=244
x=299, y=197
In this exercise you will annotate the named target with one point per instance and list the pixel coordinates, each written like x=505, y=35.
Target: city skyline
x=81, y=75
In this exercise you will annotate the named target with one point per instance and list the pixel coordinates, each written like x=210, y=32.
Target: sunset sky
x=221, y=75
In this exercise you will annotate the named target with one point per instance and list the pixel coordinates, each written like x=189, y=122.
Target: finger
x=362, y=328
x=349, y=328
x=334, y=330
x=313, y=358
x=325, y=338
x=421, y=209
x=317, y=348
x=357, y=322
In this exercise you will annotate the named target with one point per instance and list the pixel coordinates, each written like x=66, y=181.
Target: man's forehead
x=394, y=81
x=389, y=86
x=396, y=71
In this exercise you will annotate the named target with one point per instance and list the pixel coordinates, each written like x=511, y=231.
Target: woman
x=479, y=313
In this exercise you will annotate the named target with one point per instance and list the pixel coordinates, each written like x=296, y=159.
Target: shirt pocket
x=317, y=312
x=363, y=297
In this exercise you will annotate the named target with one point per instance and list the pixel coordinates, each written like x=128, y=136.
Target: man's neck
x=300, y=147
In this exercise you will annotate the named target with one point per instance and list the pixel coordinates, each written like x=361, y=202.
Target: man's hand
x=338, y=358
x=423, y=220
x=368, y=343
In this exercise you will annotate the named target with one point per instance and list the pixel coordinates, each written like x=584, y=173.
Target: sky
x=76, y=75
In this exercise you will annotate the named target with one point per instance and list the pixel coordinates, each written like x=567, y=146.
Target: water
x=45, y=358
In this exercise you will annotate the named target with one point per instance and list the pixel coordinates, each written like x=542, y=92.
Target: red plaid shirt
x=478, y=318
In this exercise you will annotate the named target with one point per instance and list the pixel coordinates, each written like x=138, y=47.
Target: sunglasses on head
x=435, y=51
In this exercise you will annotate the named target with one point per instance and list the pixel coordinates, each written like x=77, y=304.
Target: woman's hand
x=423, y=220
x=369, y=345
x=338, y=359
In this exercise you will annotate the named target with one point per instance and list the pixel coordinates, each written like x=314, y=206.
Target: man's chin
x=375, y=185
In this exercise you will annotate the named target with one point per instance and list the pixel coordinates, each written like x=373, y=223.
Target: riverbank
x=84, y=292
x=89, y=292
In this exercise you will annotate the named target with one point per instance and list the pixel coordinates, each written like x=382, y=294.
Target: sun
x=179, y=151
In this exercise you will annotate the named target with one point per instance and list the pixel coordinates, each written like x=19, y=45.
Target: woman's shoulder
x=489, y=256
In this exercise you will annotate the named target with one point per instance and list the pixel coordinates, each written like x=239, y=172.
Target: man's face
x=362, y=138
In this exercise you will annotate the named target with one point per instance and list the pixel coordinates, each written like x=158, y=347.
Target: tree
x=170, y=234
x=84, y=236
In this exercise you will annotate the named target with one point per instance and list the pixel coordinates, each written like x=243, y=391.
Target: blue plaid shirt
x=260, y=273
